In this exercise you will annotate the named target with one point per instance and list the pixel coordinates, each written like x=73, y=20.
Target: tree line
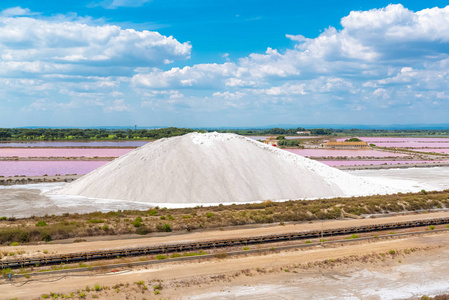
x=52, y=134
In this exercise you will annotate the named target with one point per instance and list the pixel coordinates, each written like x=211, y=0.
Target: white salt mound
x=216, y=168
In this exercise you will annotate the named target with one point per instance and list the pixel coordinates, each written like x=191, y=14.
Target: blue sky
x=223, y=63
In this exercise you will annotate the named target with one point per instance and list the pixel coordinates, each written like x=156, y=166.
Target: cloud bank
x=387, y=65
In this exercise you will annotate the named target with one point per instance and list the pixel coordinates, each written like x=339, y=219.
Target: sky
x=211, y=63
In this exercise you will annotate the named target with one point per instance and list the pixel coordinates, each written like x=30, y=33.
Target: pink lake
x=402, y=142
x=347, y=153
x=61, y=152
x=264, y=137
x=58, y=144
x=39, y=168
x=336, y=163
x=401, y=139
x=443, y=150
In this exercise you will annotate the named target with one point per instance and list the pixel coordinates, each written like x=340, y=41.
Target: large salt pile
x=216, y=168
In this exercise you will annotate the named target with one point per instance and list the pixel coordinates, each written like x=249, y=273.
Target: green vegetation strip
x=165, y=220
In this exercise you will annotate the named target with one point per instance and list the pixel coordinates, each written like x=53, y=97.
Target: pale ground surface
x=27, y=200
x=60, y=247
x=357, y=274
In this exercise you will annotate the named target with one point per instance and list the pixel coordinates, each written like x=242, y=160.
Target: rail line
x=161, y=249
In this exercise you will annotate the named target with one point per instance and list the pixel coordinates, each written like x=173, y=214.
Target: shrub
x=175, y=255
x=163, y=228
x=41, y=223
x=14, y=244
x=95, y=221
x=160, y=256
x=424, y=192
x=392, y=252
x=97, y=288
x=245, y=248
x=46, y=237
x=209, y=215
x=137, y=223
x=143, y=230
x=3, y=218
x=432, y=227
x=152, y=212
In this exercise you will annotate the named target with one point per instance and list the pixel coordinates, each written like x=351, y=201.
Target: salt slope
x=216, y=168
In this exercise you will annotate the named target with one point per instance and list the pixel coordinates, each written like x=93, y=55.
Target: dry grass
x=168, y=220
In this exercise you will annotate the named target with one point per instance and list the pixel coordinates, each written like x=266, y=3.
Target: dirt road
x=206, y=278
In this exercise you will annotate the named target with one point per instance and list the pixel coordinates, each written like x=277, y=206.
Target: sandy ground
x=60, y=247
x=357, y=271
x=32, y=202
x=426, y=178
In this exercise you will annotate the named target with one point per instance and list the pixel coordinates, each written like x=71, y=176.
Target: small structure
x=345, y=145
x=303, y=132
x=271, y=141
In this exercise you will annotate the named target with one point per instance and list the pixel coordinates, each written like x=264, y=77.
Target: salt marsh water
x=39, y=168
x=60, y=144
x=401, y=142
x=63, y=152
x=347, y=153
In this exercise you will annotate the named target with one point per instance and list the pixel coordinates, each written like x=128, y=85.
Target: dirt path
x=182, y=280
x=126, y=242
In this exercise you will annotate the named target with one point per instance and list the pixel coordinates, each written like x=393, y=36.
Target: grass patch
x=195, y=253
x=160, y=256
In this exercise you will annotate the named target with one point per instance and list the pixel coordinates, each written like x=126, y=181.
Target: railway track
x=161, y=249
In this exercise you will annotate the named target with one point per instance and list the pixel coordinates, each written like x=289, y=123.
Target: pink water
x=409, y=144
x=405, y=142
x=347, y=153
x=444, y=150
x=336, y=163
x=401, y=139
x=39, y=168
x=264, y=137
x=74, y=144
x=61, y=152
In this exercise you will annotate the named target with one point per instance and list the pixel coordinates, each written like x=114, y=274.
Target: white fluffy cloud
x=17, y=11
x=381, y=61
x=383, y=54
x=113, y=4
x=25, y=40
